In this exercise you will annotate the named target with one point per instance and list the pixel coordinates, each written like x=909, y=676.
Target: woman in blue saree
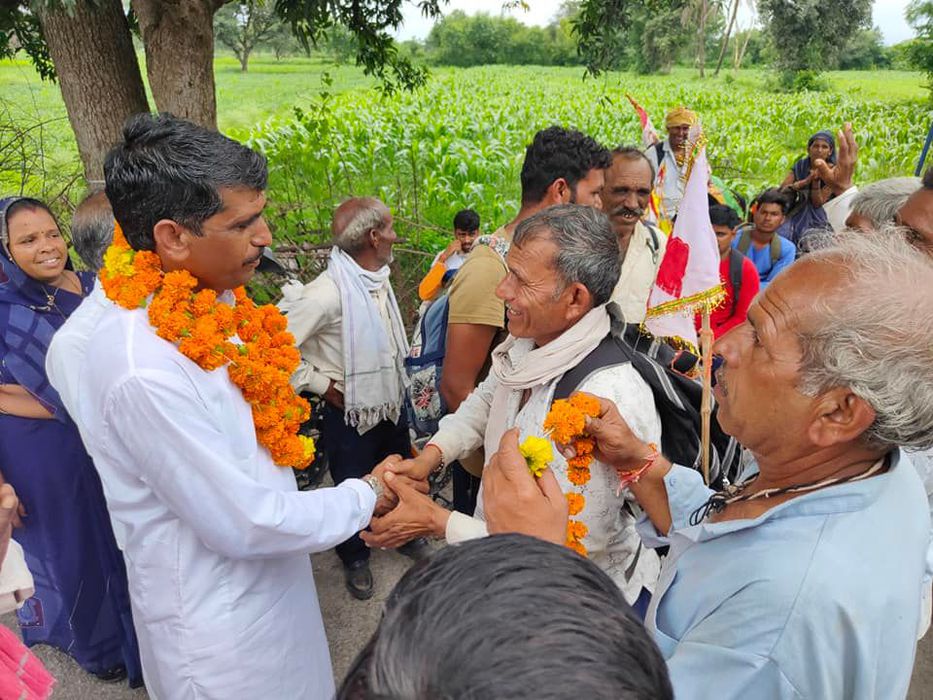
x=81, y=605
x=812, y=193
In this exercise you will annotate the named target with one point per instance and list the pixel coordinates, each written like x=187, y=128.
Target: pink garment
x=22, y=675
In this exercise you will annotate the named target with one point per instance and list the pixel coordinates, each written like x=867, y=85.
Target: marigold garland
x=260, y=364
x=566, y=424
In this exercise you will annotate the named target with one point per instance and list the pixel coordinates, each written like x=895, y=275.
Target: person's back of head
x=507, y=616
x=170, y=168
x=558, y=153
x=466, y=220
x=92, y=229
x=877, y=204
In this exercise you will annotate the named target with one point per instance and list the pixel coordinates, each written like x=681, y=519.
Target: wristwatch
x=375, y=484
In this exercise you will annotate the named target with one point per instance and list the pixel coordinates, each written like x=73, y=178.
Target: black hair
x=507, y=616
x=169, y=168
x=634, y=153
x=466, y=220
x=721, y=215
x=557, y=153
x=774, y=196
x=928, y=178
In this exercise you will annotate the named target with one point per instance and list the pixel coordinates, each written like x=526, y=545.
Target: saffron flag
x=688, y=277
x=649, y=136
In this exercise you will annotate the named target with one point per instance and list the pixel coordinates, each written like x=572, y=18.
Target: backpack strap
x=745, y=240
x=654, y=243
x=775, y=248
x=607, y=354
x=735, y=275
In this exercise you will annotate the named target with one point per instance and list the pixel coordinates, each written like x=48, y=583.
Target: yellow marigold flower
x=576, y=502
x=537, y=452
x=118, y=261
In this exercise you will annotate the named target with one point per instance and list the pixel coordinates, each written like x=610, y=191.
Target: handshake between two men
x=513, y=500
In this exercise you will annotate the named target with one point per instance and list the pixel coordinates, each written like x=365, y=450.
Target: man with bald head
x=804, y=579
x=349, y=330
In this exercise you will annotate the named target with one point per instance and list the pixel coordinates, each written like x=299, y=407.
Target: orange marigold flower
x=575, y=502
x=577, y=547
x=576, y=530
x=581, y=462
x=578, y=476
x=586, y=403
x=584, y=445
x=563, y=422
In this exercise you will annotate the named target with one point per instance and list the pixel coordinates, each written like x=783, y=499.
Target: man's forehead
x=629, y=170
x=796, y=297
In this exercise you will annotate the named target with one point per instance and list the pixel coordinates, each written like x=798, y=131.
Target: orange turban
x=680, y=116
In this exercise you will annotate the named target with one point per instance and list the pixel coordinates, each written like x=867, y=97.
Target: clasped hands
x=514, y=501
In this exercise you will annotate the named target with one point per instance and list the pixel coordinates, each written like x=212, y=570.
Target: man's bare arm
x=468, y=346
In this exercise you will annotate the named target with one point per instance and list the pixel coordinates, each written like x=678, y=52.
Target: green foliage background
x=459, y=142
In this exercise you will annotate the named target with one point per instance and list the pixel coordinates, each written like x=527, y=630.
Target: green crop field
x=459, y=141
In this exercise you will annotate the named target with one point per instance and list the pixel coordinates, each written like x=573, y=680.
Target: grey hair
x=880, y=201
x=370, y=214
x=873, y=335
x=92, y=229
x=588, y=250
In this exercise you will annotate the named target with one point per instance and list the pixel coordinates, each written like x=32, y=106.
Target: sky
x=887, y=15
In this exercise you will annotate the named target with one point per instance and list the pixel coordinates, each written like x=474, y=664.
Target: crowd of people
x=150, y=493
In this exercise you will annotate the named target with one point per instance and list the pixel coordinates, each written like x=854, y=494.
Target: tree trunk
x=179, y=40
x=741, y=54
x=244, y=60
x=725, y=41
x=98, y=74
x=701, y=44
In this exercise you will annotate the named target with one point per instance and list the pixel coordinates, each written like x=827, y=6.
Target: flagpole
x=706, y=406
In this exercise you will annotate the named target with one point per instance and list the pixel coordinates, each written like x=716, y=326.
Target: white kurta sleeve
x=309, y=309
x=837, y=209
x=461, y=528
x=156, y=423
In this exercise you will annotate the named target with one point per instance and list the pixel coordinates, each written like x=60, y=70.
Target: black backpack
x=676, y=396
x=735, y=275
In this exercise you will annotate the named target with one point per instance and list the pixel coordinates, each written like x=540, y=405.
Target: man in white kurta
x=215, y=536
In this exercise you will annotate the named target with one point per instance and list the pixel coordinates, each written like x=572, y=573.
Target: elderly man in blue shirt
x=804, y=579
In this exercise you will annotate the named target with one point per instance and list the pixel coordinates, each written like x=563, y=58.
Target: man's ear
x=841, y=416
x=171, y=240
x=580, y=301
x=558, y=192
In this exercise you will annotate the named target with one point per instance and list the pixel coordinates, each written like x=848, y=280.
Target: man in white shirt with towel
x=349, y=330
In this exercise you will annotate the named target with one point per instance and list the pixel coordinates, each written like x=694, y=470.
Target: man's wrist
x=375, y=483
x=439, y=518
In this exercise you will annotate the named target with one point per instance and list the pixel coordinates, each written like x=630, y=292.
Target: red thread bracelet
x=627, y=478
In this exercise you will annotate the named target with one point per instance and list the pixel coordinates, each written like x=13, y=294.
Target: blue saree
x=81, y=604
